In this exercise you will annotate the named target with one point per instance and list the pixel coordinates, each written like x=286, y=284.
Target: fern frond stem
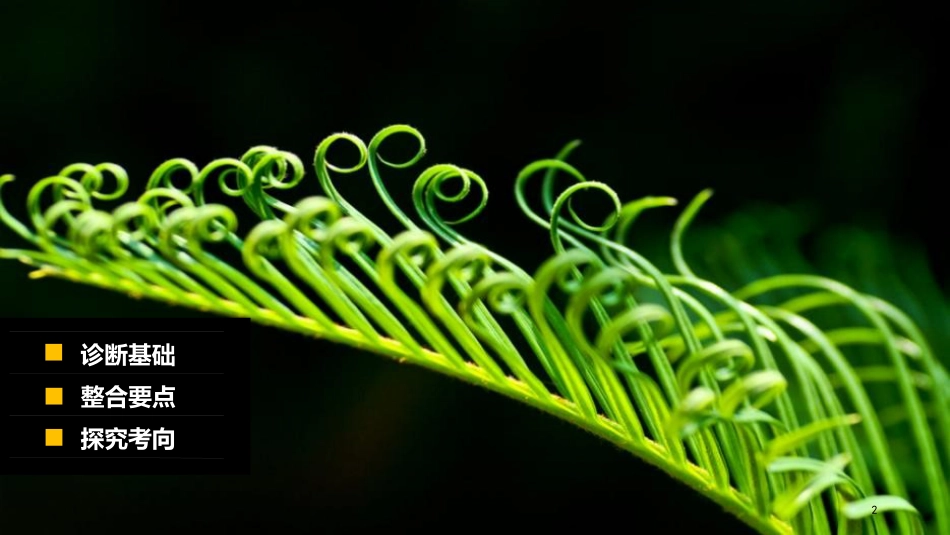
x=702, y=444
x=545, y=316
x=309, y=270
x=353, y=287
x=748, y=318
x=647, y=450
x=696, y=408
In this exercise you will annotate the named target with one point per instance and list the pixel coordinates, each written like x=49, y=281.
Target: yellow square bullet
x=54, y=396
x=54, y=437
x=54, y=351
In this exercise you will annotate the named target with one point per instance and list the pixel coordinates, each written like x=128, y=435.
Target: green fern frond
x=753, y=397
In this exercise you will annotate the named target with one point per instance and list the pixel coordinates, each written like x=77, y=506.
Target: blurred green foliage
x=835, y=104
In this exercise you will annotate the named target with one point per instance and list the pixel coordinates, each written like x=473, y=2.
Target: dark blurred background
x=837, y=108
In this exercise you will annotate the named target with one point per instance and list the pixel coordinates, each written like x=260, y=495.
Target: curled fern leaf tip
x=765, y=398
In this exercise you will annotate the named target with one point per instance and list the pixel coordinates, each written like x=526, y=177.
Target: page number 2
x=875, y=509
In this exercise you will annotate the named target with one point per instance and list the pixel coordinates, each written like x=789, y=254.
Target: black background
x=211, y=416
x=841, y=105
